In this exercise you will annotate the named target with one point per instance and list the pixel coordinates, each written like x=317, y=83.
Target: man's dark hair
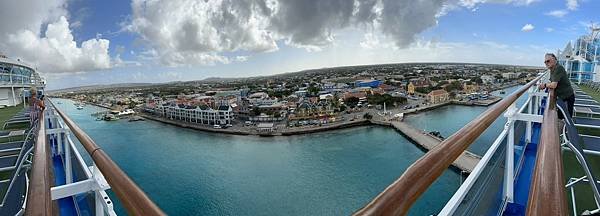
x=553, y=56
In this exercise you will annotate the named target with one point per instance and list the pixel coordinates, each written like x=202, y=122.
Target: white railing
x=94, y=180
x=513, y=115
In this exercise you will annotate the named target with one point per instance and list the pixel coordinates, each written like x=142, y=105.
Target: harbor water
x=449, y=119
x=189, y=172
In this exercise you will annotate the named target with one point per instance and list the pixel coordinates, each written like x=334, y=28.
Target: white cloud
x=549, y=29
x=572, y=4
x=195, y=32
x=472, y=4
x=557, y=13
x=187, y=32
x=191, y=32
x=241, y=58
x=527, y=28
x=54, y=50
x=370, y=41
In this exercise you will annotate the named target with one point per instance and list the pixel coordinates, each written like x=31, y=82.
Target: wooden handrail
x=547, y=189
x=398, y=197
x=38, y=196
x=131, y=196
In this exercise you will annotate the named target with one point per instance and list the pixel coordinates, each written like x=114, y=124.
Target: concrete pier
x=465, y=162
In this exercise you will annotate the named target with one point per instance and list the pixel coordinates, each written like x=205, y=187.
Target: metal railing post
x=510, y=153
x=528, y=124
x=510, y=163
x=68, y=166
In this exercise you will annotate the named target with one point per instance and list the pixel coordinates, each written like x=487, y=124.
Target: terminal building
x=581, y=57
x=16, y=78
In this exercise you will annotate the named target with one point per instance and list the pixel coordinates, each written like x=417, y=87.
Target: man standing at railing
x=36, y=104
x=559, y=81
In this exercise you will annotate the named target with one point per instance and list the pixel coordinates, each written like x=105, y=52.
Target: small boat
x=80, y=107
x=110, y=117
x=399, y=116
x=437, y=134
x=126, y=112
x=502, y=92
x=136, y=118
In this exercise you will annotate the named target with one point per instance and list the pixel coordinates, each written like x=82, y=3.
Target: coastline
x=256, y=133
x=302, y=130
x=465, y=163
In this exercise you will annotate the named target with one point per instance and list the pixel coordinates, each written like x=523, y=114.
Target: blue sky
x=161, y=41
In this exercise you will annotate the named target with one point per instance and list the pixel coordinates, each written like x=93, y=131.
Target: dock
x=487, y=102
x=465, y=162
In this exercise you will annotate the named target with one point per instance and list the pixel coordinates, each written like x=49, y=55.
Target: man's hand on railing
x=541, y=86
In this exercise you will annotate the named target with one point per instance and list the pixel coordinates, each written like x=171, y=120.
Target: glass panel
x=485, y=196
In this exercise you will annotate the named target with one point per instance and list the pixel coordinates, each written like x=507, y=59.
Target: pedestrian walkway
x=467, y=160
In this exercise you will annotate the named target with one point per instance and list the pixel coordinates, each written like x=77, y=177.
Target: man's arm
x=41, y=104
x=554, y=78
x=552, y=85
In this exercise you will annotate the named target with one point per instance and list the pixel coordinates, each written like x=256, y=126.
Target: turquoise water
x=449, y=119
x=188, y=172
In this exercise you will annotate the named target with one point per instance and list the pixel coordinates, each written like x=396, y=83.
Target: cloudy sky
x=81, y=42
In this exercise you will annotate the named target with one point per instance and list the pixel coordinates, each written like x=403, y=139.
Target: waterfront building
x=265, y=127
x=581, y=57
x=273, y=108
x=16, y=78
x=221, y=115
x=265, y=118
x=438, y=96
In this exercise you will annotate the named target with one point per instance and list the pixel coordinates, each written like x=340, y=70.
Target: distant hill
x=279, y=75
x=95, y=87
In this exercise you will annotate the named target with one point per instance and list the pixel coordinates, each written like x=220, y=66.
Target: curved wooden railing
x=131, y=196
x=398, y=197
x=547, y=189
x=38, y=196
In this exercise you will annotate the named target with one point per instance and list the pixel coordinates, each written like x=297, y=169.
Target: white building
x=208, y=116
x=510, y=75
x=261, y=98
x=488, y=79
